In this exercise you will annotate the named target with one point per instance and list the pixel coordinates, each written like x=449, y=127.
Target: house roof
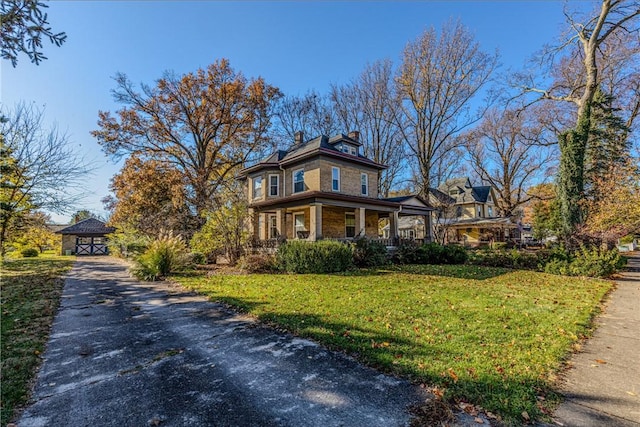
x=90, y=226
x=465, y=191
x=321, y=145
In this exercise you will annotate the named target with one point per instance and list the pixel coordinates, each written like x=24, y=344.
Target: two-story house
x=323, y=188
x=467, y=214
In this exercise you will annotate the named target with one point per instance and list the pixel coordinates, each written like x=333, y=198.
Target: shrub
x=369, y=253
x=325, y=256
x=164, y=255
x=594, y=262
x=127, y=243
x=586, y=261
x=408, y=253
x=198, y=258
x=258, y=263
x=506, y=259
x=29, y=252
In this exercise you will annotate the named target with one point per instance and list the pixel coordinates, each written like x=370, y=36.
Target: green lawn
x=30, y=295
x=488, y=336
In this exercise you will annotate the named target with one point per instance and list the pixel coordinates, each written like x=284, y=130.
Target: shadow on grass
x=454, y=271
x=506, y=395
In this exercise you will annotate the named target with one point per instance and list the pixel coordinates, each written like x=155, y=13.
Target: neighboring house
x=467, y=214
x=88, y=237
x=322, y=189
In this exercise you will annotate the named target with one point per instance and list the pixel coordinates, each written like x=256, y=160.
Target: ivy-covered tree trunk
x=573, y=146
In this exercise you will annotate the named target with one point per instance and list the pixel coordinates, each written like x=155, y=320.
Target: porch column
x=253, y=224
x=315, y=221
x=361, y=225
x=428, y=228
x=393, y=227
x=280, y=222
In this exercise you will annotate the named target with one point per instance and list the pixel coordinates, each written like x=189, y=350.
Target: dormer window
x=347, y=149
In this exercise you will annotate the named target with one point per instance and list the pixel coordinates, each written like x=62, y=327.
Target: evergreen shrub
x=325, y=256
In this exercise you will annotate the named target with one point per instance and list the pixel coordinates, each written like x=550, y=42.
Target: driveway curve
x=130, y=353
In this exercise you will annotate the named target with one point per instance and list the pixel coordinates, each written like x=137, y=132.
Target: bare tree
x=504, y=152
x=580, y=71
x=370, y=104
x=440, y=75
x=40, y=169
x=310, y=114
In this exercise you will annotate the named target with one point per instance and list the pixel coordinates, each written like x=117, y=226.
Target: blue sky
x=296, y=46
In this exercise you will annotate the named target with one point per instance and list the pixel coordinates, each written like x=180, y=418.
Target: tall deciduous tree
x=579, y=77
x=504, y=152
x=440, y=75
x=24, y=26
x=370, y=105
x=205, y=124
x=37, y=163
x=310, y=114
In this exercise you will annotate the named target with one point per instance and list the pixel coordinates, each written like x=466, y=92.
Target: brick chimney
x=355, y=135
x=298, y=138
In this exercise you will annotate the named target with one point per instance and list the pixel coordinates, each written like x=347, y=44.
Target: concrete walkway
x=602, y=387
x=126, y=353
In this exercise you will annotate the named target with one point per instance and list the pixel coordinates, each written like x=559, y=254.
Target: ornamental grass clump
x=165, y=255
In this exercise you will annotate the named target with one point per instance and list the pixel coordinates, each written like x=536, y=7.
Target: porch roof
x=499, y=222
x=405, y=207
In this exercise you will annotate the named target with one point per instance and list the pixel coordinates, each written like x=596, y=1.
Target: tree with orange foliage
x=616, y=212
x=149, y=196
x=203, y=124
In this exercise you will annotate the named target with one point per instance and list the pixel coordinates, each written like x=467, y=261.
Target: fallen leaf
x=602, y=362
x=478, y=420
x=631, y=393
x=525, y=415
x=453, y=375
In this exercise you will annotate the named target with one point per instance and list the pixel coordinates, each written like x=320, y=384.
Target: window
x=335, y=179
x=298, y=180
x=298, y=225
x=353, y=151
x=479, y=211
x=273, y=227
x=350, y=224
x=459, y=211
x=257, y=187
x=364, y=183
x=274, y=183
x=490, y=211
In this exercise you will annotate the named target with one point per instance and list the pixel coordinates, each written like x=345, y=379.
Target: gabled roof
x=321, y=145
x=466, y=191
x=90, y=226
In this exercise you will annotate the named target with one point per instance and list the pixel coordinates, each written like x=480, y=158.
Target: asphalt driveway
x=126, y=353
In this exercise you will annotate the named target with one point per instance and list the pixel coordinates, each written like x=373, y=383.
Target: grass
x=488, y=336
x=30, y=295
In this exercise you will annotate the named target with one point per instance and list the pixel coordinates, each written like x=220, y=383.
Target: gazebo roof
x=90, y=226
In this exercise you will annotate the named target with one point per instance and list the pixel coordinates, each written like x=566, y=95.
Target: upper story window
x=298, y=180
x=274, y=184
x=479, y=211
x=489, y=198
x=490, y=211
x=459, y=211
x=257, y=187
x=364, y=184
x=349, y=149
x=335, y=179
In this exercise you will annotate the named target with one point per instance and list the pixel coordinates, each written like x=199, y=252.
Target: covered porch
x=321, y=216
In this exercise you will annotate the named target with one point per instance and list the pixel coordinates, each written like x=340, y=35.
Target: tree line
x=445, y=109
